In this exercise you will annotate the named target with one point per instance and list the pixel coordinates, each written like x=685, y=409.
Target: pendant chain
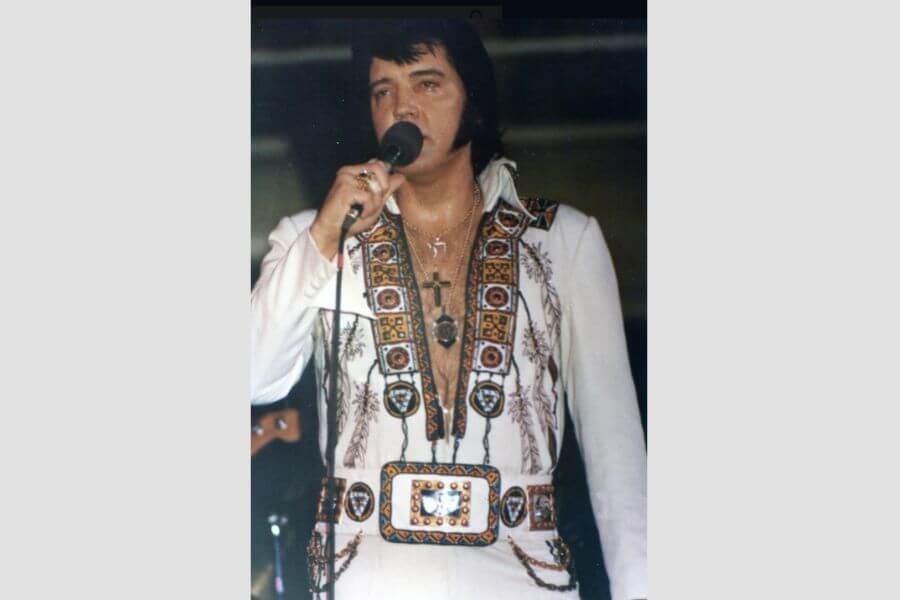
x=449, y=321
x=475, y=196
x=460, y=251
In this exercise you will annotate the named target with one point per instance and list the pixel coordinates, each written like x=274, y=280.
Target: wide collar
x=497, y=181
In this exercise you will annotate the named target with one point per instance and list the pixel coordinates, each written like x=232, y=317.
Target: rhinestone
x=414, y=521
x=440, y=485
x=440, y=521
x=427, y=521
x=466, y=485
x=465, y=522
x=428, y=484
x=454, y=485
x=453, y=521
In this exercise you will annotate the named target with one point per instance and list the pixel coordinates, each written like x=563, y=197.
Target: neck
x=439, y=198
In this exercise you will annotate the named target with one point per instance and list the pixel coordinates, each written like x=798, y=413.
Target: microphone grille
x=402, y=142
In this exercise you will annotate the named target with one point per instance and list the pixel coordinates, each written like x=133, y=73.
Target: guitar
x=277, y=425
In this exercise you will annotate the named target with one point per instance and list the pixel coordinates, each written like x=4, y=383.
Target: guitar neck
x=282, y=424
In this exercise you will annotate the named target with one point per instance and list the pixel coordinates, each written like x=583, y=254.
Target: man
x=470, y=315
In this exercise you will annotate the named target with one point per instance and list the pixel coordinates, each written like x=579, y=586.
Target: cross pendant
x=435, y=286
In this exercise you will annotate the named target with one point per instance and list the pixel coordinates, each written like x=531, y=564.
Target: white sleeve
x=604, y=409
x=282, y=314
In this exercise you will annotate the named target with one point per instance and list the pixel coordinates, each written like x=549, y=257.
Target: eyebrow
x=427, y=73
x=418, y=73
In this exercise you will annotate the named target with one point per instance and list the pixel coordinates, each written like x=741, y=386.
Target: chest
x=402, y=394
x=430, y=350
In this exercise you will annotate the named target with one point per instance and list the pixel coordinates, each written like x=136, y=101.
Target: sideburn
x=468, y=126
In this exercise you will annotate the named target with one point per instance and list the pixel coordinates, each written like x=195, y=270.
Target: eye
x=379, y=94
x=430, y=84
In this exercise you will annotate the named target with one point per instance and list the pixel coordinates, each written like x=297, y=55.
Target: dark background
x=573, y=100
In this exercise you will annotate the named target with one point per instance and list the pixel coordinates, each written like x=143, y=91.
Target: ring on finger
x=362, y=184
x=366, y=182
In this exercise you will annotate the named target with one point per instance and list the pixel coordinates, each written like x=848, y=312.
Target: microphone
x=353, y=215
x=400, y=146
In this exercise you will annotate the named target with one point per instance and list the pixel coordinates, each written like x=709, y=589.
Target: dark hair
x=401, y=42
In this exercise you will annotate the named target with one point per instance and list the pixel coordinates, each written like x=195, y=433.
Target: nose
x=405, y=108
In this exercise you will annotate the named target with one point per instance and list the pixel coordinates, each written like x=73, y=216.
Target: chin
x=423, y=164
x=430, y=161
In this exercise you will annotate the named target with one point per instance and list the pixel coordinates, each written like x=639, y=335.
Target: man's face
x=428, y=93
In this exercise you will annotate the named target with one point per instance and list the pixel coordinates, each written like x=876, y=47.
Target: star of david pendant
x=445, y=330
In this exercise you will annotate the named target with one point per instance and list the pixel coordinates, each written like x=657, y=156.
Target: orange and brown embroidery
x=398, y=328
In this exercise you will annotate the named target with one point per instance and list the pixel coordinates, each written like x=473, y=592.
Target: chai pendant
x=438, y=247
x=445, y=330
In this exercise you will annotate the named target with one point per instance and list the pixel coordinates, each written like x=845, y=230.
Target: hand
x=344, y=192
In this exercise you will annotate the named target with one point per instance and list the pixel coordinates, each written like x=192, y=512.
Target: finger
x=374, y=166
x=354, y=180
x=371, y=206
x=370, y=202
x=375, y=186
x=348, y=170
x=351, y=193
x=379, y=174
x=377, y=205
x=378, y=161
x=366, y=184
x=395, y=181
x=374, y=173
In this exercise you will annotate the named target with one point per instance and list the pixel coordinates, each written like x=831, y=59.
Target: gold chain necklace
x=437, y=245
x=435, y=284
x=445, y=328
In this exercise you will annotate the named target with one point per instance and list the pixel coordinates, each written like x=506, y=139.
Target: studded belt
x=444, y=504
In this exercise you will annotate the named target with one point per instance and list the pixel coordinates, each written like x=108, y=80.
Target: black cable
x=331, y=446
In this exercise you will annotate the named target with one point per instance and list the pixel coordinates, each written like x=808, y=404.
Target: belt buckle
x=435, y=503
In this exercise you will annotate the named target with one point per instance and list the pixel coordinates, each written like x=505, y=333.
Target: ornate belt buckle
x=435, y=502
x=427, y=503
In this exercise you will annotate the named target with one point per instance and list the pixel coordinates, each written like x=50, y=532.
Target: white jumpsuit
x=543, y=325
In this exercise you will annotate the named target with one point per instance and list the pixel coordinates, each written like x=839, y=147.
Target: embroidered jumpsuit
x=542, y=326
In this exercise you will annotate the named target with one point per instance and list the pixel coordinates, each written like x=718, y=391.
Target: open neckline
x=469, y=311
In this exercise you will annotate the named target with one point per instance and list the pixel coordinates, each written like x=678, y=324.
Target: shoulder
x=571, y=221
x=556, y=221
x=564, y=231
x=552, y=216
